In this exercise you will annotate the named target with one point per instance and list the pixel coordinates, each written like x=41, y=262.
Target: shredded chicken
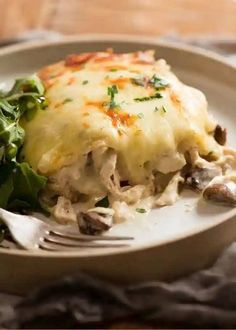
x=109, y=175
x=122, y=212
x=101, y=165
x=106, y=211
x=64, y=181
x=63, y=211
x=98, y=155
x=110, y=179
x=170, y=194
x=198, y=161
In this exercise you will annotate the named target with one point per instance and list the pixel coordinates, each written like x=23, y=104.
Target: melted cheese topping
x=150, y=135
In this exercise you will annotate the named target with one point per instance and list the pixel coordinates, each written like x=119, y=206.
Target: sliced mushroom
x=199, y=177
x=95, y=221
x=221, y=190
x=220, y=135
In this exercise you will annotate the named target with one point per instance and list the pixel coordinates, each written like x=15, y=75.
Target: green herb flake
x=164, y=109
x=68, y=99
x=156, y=109
x=148, y=98
x=158, y=83
x=112, y=91
x=141, y=210
x=113, y=70
x=85, y=82
x=140, y=115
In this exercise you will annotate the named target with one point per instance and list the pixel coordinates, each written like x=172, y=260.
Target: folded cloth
x=206, y=299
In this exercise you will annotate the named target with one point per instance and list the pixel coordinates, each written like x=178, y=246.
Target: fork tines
x=57, y=240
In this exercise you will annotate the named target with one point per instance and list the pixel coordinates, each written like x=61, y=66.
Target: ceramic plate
x=168, y=241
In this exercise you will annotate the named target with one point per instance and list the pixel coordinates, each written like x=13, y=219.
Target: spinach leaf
x=104, y=202
x=30, y=84
x=6, y=183
x=19, y=184
x=3, y=232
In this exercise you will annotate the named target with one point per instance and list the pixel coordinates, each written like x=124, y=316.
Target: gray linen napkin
x=205, y=299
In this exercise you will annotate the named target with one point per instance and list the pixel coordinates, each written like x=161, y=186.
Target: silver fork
x=31, y=233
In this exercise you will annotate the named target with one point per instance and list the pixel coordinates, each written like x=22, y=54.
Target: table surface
x=214, y=18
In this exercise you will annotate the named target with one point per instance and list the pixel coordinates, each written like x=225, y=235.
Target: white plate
x=168, y=241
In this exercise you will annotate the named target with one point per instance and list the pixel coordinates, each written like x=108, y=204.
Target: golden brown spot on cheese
x=142, y=62
x=117, y=116
x=120, y=82
x=48, y=83
x=49, y=74
x=105, y=57
x=175, y=98
x=121, y=118
x=95, y=104
x=85, y=125
x=85, y=114
x=57, y=105
x=51, y=71
x=78, y=59
x=71, y=81
x=116, y=67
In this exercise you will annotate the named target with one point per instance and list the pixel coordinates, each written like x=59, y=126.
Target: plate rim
x=90, y=38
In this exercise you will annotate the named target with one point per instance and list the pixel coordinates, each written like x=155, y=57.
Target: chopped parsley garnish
x=141, y=210
x=68, y=99
x=140, y=115
x=162, y=108
x=112, y=91
x=113, y=70
x=85, y=82
x=148, y=98
x=158, y=83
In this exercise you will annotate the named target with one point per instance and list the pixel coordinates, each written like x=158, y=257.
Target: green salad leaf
x=19, y=183
x=104, y=202
x=3, y=231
